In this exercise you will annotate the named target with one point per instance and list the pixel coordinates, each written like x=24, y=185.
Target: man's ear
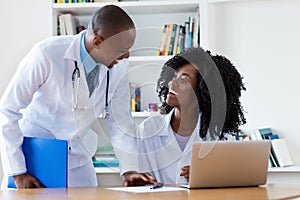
x=97, y=40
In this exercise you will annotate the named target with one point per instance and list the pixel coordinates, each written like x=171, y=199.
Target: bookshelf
x=149, y=18
x=285, y=175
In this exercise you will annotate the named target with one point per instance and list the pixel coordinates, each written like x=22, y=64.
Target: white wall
x=23, y=24
x=262, y=38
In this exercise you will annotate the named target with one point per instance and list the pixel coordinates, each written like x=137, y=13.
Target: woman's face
x=182, y=88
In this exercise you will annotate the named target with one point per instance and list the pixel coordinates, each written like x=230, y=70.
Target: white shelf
x=144, y=114
x=148, y=58
x=107, y=170
x=288, y=169
x=141, y=60
x=225, y=1
x=140, y=114
x=137, y=7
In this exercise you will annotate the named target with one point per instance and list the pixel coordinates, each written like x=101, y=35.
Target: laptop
x=229, y=163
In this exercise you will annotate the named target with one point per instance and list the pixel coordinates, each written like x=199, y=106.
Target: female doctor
x=200, y=95
x=49, y=97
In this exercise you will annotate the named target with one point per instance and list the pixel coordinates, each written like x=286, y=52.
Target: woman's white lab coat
x=38, y=102
x=160, y=153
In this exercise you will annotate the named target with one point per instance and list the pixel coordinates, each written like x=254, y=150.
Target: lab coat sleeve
x=122, y=128
x=27, y=79
x=143, y=158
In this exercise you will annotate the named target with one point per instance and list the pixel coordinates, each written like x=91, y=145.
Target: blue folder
x=46, y=160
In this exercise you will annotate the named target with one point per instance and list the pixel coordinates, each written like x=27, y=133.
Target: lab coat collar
x=167, y=126
x=73, y=52
x=171, y=138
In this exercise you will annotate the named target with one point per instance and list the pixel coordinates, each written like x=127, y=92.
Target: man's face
x=114, y=48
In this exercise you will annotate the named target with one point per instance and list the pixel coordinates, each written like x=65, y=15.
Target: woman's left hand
x=185, y=172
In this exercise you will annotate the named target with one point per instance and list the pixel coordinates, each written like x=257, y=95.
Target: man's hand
x=133, y=178
x=185, y=172
x=25, y=181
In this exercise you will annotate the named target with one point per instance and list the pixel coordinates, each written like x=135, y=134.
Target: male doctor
x=54, y=94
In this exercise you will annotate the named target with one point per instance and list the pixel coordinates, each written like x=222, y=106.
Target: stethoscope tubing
x=76, y=72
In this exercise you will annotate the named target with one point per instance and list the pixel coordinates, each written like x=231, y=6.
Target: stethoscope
x=75, y=86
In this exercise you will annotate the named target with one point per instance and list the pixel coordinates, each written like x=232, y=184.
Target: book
x=190, y=32
x=176, y=42
x=105, y=157
x=181, y=39
x=46, y=160
x=106, y=163
x=168, y=39
x=263, y=133
x=279, y=156
x=62, y=26
x=281, y=152
x=176, y=37
x=135, y=92
x=172, y=40
x=196, y=34
x=70, y=23
x=272, y=137
x=273, y=159
x=162, y=40
x=186, y=35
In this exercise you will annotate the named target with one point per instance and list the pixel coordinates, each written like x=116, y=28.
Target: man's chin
x=113, y=63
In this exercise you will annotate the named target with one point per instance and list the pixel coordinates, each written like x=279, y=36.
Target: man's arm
x=17, y=96
x=121, y=125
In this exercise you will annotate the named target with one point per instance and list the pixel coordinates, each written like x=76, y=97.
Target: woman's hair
x=230, y=79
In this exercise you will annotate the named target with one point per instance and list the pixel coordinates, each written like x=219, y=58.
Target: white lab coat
x=38, y=102
x=160, y=153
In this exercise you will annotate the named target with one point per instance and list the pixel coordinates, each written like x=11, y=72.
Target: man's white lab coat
x=38, y=102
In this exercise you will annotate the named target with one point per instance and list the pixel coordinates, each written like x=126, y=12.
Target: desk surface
x=263, y=192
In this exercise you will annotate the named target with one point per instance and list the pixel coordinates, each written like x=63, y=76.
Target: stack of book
x=67, y=24
x=280, y=156
x=105, y=157
x=176, y=37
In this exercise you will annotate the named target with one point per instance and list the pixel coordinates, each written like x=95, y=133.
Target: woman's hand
x=25, y=181
x=133, y=178
x=185, y=172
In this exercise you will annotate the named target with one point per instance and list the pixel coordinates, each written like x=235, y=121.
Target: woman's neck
x=184, y=121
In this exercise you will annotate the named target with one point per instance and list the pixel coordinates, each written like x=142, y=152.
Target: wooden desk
x=263, y=192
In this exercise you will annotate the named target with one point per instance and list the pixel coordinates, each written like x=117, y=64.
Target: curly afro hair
x=229, y=80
